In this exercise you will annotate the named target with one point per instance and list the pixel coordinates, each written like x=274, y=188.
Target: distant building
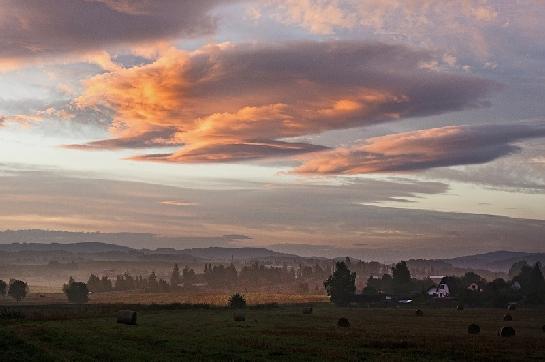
x=439, y=291
x=474, y=287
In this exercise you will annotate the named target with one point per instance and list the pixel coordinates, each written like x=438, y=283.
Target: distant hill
x=83, y=247
x=498, y=261
x=92, y=250
x=217, y=253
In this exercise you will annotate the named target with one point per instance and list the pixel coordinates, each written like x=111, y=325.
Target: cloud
x=228, y=102
x=244, y=151
x=33, y=30
x=159, y=138
x=424, y=149
x=441, y=24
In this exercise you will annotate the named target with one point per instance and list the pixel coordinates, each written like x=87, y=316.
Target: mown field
x=276, y=333
x=140, y=297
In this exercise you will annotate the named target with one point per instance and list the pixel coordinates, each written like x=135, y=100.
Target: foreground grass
x=279, y=333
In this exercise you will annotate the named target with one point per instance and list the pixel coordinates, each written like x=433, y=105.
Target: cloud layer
x=227, y=103
x=31, y=29
x=419, y=150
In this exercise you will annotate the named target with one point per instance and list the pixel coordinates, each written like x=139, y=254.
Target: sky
x=370, y=128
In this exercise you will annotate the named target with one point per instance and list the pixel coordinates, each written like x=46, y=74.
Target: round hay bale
x=126, y=316
x=419, y=313
x=307, y=310
x=473, y=329
x=511, y=307
x=506, y=331
x=343, y=323
x=460, y=307
x=239, y=315
x=507, y=318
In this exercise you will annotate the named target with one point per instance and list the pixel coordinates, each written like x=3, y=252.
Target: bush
x=237, y=301
x=77, y=292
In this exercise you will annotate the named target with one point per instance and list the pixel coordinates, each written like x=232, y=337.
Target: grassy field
x=139, y=297
x=281, y=332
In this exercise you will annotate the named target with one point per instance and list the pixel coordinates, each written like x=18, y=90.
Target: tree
x=153, y=285
x=341, y=285
x=516, y=268
x=17, y=289
x=3, y=288
x=188, y=276
x=105, y=284
x=401, y=278
x=175, y=277
x=94, y=284
x=470, y=278
x=77, y=292
x=237, y=301
x=532, y=283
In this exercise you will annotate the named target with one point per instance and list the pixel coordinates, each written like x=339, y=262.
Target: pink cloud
x=228, y=102
x=420, y=150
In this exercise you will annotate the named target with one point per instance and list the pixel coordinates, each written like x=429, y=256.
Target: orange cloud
x=228, y=102
x=418, y=150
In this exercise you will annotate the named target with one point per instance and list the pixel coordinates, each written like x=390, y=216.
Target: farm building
x=439, y=291
x=474, y=287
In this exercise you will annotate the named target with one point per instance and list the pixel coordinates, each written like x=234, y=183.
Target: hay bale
x=126, y=316
x=239, y=315
x=473, y=329
x=511, y=307
x=506, y=331
x=419, y=313
x=507, y=318
x=460, y=307
x=307, y=310
x=343, y=323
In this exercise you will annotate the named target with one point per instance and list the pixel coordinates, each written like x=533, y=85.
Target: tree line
x=17, y=289
x=527, y=285
x=254, y=275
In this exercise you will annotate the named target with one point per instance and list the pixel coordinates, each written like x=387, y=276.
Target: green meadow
x=174, y=333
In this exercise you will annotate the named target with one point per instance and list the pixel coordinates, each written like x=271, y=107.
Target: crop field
x=280, y=332
x=139, y=297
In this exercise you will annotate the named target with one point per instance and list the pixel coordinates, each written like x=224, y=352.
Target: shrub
x=237, y=301
x=77, y=292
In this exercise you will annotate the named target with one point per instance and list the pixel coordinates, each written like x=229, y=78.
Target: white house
x=440, y=291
